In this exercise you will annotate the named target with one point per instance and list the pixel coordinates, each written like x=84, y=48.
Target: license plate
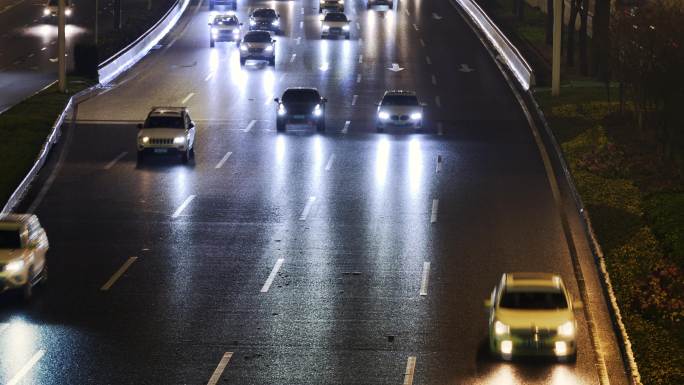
x=160, y=151
x=299, y=116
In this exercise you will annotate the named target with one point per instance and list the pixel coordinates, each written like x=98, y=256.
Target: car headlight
x=14, y=266
x=67, y=12
x=236, y=31
x=145, y=139
x=46, y=11
x=214, y=30
x=567, y=329
x=243, y=47
x=252, y=22
x=179, y=140
x=281, y=110
x=383, y=115
x=317, y=111
x=501, y=328
x=268, y=48
x=340, y=2
x=345, y=28
x=275, y=23
x=325, y=27
x=416, y=116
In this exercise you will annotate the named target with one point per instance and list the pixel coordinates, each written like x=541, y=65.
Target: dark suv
x=301, y=106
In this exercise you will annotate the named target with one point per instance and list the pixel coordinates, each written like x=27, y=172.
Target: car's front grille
x=399, y=117
x=256, y=50
x=529, y=334
x=161, y=141
x=335, y=30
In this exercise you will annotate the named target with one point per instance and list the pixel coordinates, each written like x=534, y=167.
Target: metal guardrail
x=508, y=53
x=107, y=71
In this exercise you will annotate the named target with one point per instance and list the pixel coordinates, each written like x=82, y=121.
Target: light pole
x=61, y=44
x=97, y=19
x=556, y=63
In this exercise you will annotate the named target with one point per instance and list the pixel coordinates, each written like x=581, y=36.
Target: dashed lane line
x=425, y=278
x=354, y=98
x=435, y=208
x=428, y=60
x=307, y=208
x=438, y=101
x=182, y=207
x=108, y=285
x=440, y=129
x=438, y=167
x=434, y=80
x=410, y=370
x=345, y=129
x=250, y=125
x=415, y=26
x=223, y=160
x=271, y=277
x=422, y=42
x=209, y=76
x=113, y=162
x=360, y=59
x=358, y=78
x=185, y=100
x=328, y=166
x=214, y=379
x=292, y=58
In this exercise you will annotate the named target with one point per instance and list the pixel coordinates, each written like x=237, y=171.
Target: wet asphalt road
x=301, y=254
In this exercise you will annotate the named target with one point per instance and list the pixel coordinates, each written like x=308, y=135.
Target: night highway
x=339, y=257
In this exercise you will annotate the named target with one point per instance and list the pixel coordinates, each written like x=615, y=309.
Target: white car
x=224, y=27
x=167, y=130
x=330, y=6
x=532, y=314
x=399, y=109
x=257, y=45
x=23, y=249
x=335, y=24
x=52, y=6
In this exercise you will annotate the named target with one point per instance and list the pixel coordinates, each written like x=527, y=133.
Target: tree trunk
x=570, y=47
x=521, y=10
x=601, y=40
x=549, y=22
x=584, y=16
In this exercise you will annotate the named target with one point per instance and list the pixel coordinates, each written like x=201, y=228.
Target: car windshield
x=335, y=17
x=226, y=20
x=258, y=37
x=264, y=13
x=533, y=300
x=400, y=100
x=164, y=122
x=10, y=239
x=301, y=96
x=55, y=3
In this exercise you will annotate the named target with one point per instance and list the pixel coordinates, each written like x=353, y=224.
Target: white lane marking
x=281, y=78
x=31, y=55
x=406, y=11
x=302, y=10
x=440, y=129
x=422, y=42
x=182, y=207
x=345, y=129
x=223, y=160
x=209, y=76
x=43, y=49
x=360, y=39
x=358, y=26
x=213, y=380
x=307, y=208
x=425, y=278
x=113, y=162
x=358, y=78
x=328, y=166
x=410, y=370
x=294, y=55
x=354, y=98
x=185, y=100
x=118, y=273
x=301, y=24
x=415, y=26
x=434, y=80
x=271, y=277
x=25, y=369
x=428, y=60
x=299, y=40
x=435, y=208
x=249, y=126
x=360, y=59
x=438, y=101
x=438, y=168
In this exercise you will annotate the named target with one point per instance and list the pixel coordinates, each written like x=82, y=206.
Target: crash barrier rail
x=127, y=57
x=508, y=53
x=107, y=71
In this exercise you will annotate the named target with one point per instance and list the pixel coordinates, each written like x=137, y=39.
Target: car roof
x=168, y=111
x=263, y=9
x=301, y=89
x=400, y=92
x=533, y=280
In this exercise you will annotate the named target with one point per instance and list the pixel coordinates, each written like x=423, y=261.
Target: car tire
x=368, y=6
x=192, y=153
x=320, y=126
x=141, y=156
x=271, y=62
x=185, y=156
x=320, y=10
x=27, y=289
x=379, y=129
x=391, y=6
x=242, y=61
x=280, y=126
x=347, y=36
x=211, y=43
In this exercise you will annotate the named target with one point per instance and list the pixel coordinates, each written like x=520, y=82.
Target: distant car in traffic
x=399, y=109
x=231, y=4
x=532, y=314
x=52, y=6
x=167, y=130
x=224, y=27
x=264, y=19
x=330, y=6
x=257, y=45
x=23, y=251
x=372, y=3
x=335, y=24
x=300, y=106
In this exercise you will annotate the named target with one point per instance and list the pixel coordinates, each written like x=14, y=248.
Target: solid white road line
x=358, y=78
x=345, y=129
x=294, y=55
x=435, y=207
x=354, y=98
x=209, y=76
x=410, y=370
x=360, y=59
x=25, y=369
x=223, y=160
x=113, y=162
x=440, y=129
x=438, y=168
x=182, y=207
x=271, y=277
x=185, y=100
x=428, y=60
x=213, y=380
x=328, y=166
x=438, y=101
x=307, y=208
x=434, y=80
x=118, y=273
x=249, y=126
x=422, y=42
x=424, y=280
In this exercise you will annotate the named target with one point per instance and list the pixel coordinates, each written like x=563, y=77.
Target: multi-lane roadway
x=344, y=257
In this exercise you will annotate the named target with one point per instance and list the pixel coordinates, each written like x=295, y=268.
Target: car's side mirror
x=578, y=304
x=273, y=41
x=488, y=304
x=277, y=100
x=140, y=126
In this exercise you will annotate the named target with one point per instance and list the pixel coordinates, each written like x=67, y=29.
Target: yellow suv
x=23, y=249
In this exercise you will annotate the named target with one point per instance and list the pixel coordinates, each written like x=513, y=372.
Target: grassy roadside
x=24, y=129
x=635, y=200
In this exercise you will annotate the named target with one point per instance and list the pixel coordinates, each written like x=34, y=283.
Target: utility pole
x=97, y=19
x=61, y=43
x=556, y=63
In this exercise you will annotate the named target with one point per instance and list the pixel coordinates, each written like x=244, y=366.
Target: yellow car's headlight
x=501, y=328
x=14, y=266
x=567, y=329
x=145, y=139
